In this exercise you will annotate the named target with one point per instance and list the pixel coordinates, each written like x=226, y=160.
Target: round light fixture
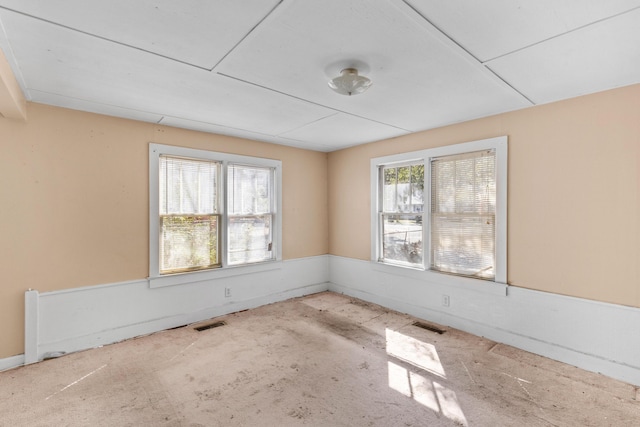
x=349, y=82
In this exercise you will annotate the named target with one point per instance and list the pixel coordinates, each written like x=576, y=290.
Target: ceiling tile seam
x=562, y=34
x=518, y=91
x=243, y=38
x=225, y=126
x=324, y=146
x=96, y=103
x=13, y=62
x=76, y=30
x=441, y=31
x=307, y=124
x=470, y=56
x=311, y=102
x=306, y=145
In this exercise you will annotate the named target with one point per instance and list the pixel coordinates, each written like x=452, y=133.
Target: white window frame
x=500, y=145
x=155, y=278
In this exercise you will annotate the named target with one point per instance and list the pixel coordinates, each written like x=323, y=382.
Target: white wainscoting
x=81, y=318
x=595, y=336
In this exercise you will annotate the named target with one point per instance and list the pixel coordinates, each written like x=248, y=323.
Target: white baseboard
x=81, y=318
x=594, y=336
x=11, y=362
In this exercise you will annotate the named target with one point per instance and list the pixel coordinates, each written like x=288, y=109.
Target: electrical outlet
x=227, y=292
x=445, y=300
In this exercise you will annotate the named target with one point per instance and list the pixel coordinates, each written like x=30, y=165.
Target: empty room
x=322, y=213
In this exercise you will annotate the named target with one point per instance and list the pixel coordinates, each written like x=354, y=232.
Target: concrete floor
x=321, y=360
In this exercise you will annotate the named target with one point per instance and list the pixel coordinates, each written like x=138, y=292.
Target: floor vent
x=210, y=326
x=429, y=327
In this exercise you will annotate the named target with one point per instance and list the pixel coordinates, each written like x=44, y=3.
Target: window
x=210, y=211
x=189, y=214
x=402, y=211
x=443, y=209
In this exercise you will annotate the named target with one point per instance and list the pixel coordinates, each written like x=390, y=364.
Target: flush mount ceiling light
x=349, y=82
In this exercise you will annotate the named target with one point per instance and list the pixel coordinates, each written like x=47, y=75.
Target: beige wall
x=74, y=198
x=574, y=193
x=74, y=202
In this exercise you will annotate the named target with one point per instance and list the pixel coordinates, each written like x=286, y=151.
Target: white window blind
x=463, y=212
x=189, y=219
x=251, y=206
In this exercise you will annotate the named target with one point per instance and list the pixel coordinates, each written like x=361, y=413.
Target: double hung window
x=443, y=209
x=211, y=210
x=401, y=216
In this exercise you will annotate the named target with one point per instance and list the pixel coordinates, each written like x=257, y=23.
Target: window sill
x=219, y=273
x=449, y=280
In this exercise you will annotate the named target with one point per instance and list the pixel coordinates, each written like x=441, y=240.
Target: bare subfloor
x=321, y=360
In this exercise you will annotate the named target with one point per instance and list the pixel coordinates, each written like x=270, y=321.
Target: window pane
x=188, y=242
x=403, y=192
x=417, y=188
x=250, y=239
x=485, y=181
x=402, y=238
x=463, y=201
x=187, y=186
x=249, y=190
x=403, y=188
x=464, y=184
x=463, y=245
x=389, y=189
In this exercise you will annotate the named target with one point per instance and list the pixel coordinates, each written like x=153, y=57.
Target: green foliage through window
x=188, y=242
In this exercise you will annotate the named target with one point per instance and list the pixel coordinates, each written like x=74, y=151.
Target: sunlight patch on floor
x=420, y=354
x=75, y=382
x=413, y=384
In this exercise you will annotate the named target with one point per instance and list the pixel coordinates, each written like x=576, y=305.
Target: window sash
x=402, y=239
x=463, y=244
x=189, y=243
x=250, y=239
x=402, y=187
x=250, y=189
x=188, y=186
x=463, y=206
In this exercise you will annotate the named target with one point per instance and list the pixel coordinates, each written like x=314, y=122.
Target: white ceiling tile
x=193, y=31
x=148, y=59
x=90, y=69
x=420, y=79
x=602, y=56
x=492, y=28
x=341, y=130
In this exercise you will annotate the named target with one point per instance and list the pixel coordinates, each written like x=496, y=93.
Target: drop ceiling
x=258, y=69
